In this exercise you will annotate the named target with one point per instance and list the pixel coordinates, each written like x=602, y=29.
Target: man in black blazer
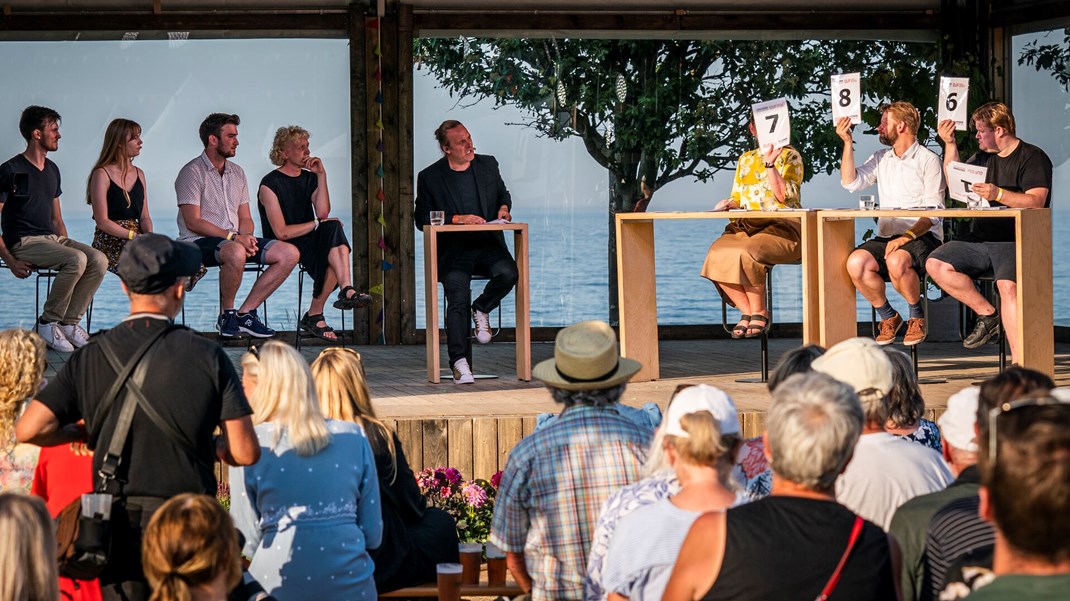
x=468, y=188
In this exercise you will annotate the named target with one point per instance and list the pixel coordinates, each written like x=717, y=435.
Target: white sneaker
x=75, y=334
x=482, y=321
x=54, y=337
x=462, y=374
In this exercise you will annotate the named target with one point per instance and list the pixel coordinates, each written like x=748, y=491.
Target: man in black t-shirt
x=468, y=189
x=192, y=386
x=34, y=234
x=1019, y=175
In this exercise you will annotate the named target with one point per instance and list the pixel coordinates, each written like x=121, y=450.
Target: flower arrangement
x=471, y=503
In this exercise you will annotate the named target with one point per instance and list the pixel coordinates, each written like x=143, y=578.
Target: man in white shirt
x=885, y=471
x=907, y=176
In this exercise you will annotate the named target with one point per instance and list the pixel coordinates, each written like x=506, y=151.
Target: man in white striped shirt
x=213, y=203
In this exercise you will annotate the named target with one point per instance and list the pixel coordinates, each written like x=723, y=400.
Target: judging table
x=636, y=275
x=837, y=309
x=522, y=292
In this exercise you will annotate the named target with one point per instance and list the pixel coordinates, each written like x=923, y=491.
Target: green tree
x=1052, y=57
x=654, y=111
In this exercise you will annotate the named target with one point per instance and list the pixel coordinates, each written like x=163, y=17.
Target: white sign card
x=771, y=123
x=960, y=180
x=953, y=94
x=846, y=99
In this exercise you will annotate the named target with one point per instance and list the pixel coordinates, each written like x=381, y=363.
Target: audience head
x=213, y=126
x=27, y=550
x=22, y=363
x=861, y=364
x=190, y=545
x=702, y=428
x=958, y=427
x=1025, y=475
x=811, y=430
x=902, y=112
x=284, y=137
x=795, y=361
x=343, y=393
x=153, y=265
x=286, y=396
x=1006, y=386
x=992, y=115
x=586, y=368
x=36, y=118
x=905, y=405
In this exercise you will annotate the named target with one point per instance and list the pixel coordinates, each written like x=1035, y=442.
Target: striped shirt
x=553, y=488
x=954, y=530
x=220, y=197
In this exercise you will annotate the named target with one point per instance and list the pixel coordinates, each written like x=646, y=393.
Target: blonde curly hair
x=285, y=135
x=22, y=365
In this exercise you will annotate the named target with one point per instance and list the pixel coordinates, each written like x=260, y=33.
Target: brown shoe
x=887, y=329
x=915, y=331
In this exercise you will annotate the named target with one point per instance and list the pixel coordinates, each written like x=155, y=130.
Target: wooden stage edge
x=474, y=427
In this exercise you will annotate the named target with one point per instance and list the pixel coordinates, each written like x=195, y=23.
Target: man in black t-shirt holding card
x=34, y=235
x=1019, y=175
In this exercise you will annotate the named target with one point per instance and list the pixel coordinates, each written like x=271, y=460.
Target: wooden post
x=358, y=120
x=406, y=248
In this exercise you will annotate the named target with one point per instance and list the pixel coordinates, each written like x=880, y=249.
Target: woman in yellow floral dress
x=738, y=261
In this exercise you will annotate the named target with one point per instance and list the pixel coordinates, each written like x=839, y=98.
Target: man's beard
x=888, y=138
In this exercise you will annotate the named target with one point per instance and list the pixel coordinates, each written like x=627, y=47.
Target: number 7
x=774, y=117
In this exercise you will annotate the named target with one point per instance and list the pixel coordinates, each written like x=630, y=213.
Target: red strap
x=835, y=578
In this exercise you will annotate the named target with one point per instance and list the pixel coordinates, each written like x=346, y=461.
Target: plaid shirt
x=553, y=489
x=198, y=183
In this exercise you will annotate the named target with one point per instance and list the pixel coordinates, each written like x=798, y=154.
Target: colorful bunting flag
x=382, y=242
x=380, y=316
x=379, y=147
x=387, y=266
x=380, y=195
x=379, y=123
x=379, y=171
x=377, y=290
x=379, y=98
x=381, y=220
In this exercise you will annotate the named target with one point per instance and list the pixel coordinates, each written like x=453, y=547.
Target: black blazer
x=434, y=194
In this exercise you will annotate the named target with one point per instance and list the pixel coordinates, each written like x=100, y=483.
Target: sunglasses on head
x=1004, y=408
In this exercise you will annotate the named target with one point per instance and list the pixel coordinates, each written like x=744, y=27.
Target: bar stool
x=258, y=269
x=764, y=338
x=48, y=275
x=477, y=277
x=987, y=285
x=298, y=335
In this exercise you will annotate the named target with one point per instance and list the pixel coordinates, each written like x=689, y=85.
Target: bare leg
x=904, y=277
x=738, y=295
x=959, y=285
x=865, y=273
x=1008, y=306
x=232, y=257
x=281, y=258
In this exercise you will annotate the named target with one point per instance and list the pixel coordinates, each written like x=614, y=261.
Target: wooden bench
x=509, y=589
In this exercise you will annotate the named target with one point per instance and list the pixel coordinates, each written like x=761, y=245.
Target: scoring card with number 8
x=772, y=124
x=845, y=97
x=954, y=92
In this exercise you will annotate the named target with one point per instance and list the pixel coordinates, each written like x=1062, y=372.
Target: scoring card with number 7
x=845, y=97
x=772, y=124
x=954, y=92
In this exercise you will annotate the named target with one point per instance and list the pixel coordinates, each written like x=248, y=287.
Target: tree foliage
x=1053, y=57
x=654, y=111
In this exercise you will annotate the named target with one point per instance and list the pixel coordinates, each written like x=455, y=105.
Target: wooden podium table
x=523, y=317
x=637, y=290
x=837, y=309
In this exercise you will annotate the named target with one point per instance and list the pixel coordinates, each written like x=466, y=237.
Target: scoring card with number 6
x=771, y=123
x=845, y=97
x=954, y=92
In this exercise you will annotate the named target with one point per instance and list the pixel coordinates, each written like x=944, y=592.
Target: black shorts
x=996, y=260
x=210, y=246
x=918, y=249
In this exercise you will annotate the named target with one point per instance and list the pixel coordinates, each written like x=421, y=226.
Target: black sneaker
x=986, y=330
x=251, y=325
x=227, y=324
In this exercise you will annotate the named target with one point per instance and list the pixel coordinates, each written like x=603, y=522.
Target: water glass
x=449, y=581
x=867, y=202
x=973, y=201
x=438, y=217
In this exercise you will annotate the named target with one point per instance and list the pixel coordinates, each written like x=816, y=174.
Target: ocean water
x=569, y=273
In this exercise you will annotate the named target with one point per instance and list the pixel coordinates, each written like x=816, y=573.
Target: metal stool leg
x=765, y=336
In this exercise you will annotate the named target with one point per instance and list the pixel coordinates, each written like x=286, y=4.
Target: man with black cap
x=558, y=478
x=190, y=385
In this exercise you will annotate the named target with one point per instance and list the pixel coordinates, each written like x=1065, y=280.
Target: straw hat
x=586, y=358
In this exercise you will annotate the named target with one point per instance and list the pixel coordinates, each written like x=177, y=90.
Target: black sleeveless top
x=117, y=209
x=295, y=198
x=788, y=547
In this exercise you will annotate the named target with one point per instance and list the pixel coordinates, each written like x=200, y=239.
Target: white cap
x=860, y=363
x=958, y=422
x=702, y=397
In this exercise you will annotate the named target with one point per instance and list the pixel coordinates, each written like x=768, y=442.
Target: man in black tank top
x=468, y=189
x=34, y=235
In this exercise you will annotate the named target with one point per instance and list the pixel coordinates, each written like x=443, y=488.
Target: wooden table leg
x=637, y=296
x=811, y=295
x=431, y=303
x=523, y=305
x=1036, y=316
x=837, y=309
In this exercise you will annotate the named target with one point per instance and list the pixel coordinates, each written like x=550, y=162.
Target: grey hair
x=600, y=397
x=813, y=425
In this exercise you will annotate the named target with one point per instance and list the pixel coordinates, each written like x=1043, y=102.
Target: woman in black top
x=116, y=189
x=415, y=537
x=294, y=206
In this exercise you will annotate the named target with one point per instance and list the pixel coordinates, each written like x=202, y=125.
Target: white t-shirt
x=887, y=471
